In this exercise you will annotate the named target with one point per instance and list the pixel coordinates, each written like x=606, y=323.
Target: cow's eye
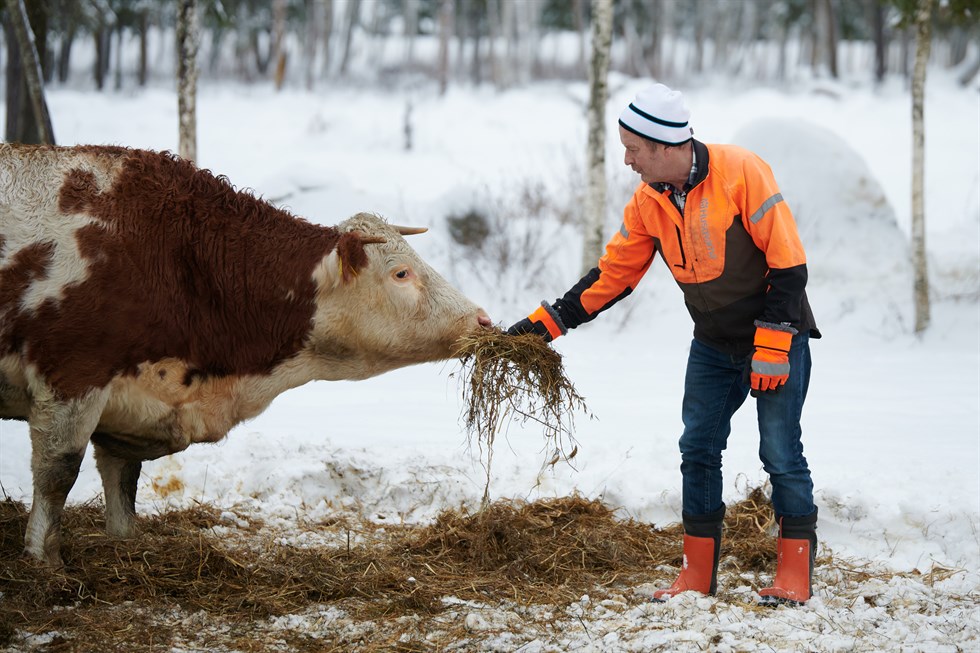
x=403, y=274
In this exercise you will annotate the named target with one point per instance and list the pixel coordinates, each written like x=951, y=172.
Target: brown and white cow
x=146, y=305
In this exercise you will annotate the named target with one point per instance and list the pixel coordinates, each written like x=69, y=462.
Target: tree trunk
x=29, y=66
x=828, y=23
x=445, y=34
x=814, y=38
x=881, y=44
x=279, y=41
x=311, y=41
x=781, y=68
x=327, y=33
x=117, y=76
x=508, y=59
x=262, y=59
x=99, y=68
x=476, y=63
x=64, y=54
x=462, y=11
x=923, y=17
x=353, y=18
x=697, y=64
x=578, y=22
x=243, y=50
x=595, y=198
x=144, y=30
x=969, y=72
x=187, y=44
x=906, y=46
x=494, y=23
x=411, y=10
x=525, y=50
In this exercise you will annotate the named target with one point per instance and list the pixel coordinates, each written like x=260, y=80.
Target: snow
x=892, y=421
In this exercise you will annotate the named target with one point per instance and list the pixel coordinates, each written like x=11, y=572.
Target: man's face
x=646, y=158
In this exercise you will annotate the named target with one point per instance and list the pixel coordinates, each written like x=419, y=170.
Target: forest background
x=116, y=44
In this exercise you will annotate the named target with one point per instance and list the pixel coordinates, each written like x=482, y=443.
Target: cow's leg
x=59, y=433
x=119, y=479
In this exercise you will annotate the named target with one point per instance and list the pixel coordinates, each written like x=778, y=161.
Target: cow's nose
x=484, y=319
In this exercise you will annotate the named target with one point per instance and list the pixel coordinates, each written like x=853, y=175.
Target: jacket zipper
x=680, y=244
x=680, y=239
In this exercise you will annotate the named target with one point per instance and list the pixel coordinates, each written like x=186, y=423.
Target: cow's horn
x=409, y=231
x=364, y=239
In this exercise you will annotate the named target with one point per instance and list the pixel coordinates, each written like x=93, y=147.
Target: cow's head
x=389, y=311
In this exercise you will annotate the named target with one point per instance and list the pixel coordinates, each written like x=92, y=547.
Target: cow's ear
x=328, y=274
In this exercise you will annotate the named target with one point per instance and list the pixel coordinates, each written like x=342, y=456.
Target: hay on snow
x=517, y=377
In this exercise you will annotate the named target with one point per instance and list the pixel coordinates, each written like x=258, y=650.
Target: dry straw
x=136, y=595
x=520, y=377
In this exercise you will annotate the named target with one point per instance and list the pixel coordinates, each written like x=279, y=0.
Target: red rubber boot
x=797, y=549
x=702, y=546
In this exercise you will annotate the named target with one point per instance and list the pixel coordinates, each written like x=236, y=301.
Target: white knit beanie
x=658, y=114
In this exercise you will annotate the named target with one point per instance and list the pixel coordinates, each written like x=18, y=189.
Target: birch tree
x=923, y=23
x=595, y=197
x=187, y=44
x=31, y=69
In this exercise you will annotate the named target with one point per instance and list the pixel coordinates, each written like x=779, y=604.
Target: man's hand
x=527, y=326
x=544, y=321
x=769, y=368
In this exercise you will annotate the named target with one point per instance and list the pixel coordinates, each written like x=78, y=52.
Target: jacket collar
x=701, y=156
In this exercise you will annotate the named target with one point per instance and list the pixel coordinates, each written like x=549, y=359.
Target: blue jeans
x=715, y=387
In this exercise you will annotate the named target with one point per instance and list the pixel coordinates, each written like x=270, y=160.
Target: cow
x=147, y=304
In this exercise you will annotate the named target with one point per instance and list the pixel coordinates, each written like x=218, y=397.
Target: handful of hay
x=520, y=376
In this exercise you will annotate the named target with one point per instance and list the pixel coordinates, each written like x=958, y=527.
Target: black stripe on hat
x=659, y=121
x=651, y=138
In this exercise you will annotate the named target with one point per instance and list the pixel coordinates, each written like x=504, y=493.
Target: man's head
x=656, y=132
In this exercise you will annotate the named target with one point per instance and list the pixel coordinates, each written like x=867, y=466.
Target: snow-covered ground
x=892, y=422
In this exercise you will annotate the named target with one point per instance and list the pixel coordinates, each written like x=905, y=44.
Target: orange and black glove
x=544, y=321
x=769, y=367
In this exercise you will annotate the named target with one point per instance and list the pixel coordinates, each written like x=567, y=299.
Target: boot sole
x=776, y=601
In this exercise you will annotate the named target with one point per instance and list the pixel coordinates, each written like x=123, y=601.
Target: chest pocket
x=705, y=228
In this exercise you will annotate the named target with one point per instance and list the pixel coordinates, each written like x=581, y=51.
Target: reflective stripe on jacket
x=735, y=252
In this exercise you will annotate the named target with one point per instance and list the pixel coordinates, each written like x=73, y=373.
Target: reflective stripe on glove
x=544, y=321
x=770, y=361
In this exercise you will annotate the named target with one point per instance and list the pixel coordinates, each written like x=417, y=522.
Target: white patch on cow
x=37, y=528
x=67, y=267
x=29, y=215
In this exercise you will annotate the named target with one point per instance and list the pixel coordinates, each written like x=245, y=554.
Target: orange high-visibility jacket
x=735, y=252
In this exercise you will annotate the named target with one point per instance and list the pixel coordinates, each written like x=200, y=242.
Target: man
x=715, y=215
